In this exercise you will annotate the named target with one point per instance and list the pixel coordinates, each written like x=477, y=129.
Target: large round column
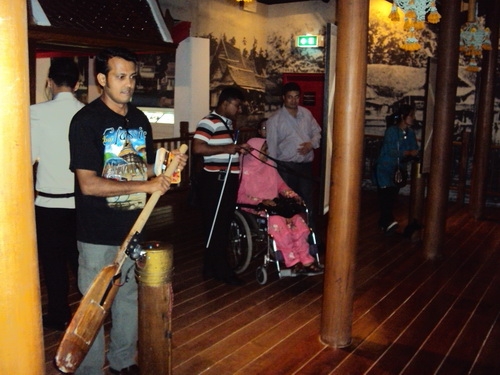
x=21, y=339
x=345, y=193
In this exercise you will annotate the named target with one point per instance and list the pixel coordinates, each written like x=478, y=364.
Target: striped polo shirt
x=212, y=130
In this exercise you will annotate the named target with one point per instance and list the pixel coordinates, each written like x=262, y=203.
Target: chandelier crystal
x=415, y=12
x=474, y=38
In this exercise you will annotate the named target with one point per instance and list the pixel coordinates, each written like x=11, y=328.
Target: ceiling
x=271, y=2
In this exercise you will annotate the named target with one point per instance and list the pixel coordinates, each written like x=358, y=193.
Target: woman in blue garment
x=398, y=148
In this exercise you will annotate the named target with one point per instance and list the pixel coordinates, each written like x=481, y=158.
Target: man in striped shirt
x=214, y=139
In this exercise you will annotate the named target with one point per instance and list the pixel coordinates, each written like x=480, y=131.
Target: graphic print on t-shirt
x=125, y=160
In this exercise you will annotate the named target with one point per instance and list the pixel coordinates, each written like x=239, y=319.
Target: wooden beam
x=50, y=39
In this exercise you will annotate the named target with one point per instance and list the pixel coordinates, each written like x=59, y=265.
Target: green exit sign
x=305, y=41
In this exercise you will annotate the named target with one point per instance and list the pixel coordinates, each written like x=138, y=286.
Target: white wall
x=42, y=71
x=192, y=86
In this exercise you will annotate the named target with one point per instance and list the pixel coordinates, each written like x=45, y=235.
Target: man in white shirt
x=55, y=202
x=292, y=135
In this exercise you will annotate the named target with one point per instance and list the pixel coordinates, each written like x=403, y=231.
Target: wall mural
x=258, y=70
x=155, y=80
x=395, y=76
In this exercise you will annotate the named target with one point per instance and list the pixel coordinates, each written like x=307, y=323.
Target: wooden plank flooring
x=410, y=315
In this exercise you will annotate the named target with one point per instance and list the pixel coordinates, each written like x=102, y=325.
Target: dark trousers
x=387, y=199
x=215, y=261
x=298, y=176
x=56, y=238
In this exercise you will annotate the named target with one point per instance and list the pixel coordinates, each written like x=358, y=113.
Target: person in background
x=398, y=148
x=262, y=128
x=55, y=202
x=112, y=156
x=261, y=183
x=292, y=135
x=214, y=139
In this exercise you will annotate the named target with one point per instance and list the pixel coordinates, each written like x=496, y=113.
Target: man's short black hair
x=230, y=93
x=64, y=72
x=290, y=86
x=101, y=60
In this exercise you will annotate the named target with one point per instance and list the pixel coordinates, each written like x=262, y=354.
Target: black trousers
x=387, y=199
x=56, y=238
x=215, y=261
x=298, y=176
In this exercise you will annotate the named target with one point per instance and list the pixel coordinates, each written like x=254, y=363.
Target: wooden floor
x=410, y=316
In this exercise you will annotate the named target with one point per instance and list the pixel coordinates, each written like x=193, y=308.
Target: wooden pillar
x=485, y=115
x=442, y=139
x=21, y=339
x=154, y=277
x=348, y=128
x=184, y=130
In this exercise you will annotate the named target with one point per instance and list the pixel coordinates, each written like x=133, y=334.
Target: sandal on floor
x=313, y=269
x=297, y=268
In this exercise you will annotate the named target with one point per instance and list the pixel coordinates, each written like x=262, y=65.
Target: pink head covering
x=259, y=179
x=252, y=160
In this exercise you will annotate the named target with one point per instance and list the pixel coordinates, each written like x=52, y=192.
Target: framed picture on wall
x=155, y=81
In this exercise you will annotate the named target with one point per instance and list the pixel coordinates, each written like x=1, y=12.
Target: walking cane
x=222, y=192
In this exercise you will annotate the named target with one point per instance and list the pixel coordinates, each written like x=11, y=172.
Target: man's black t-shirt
x=116, y=147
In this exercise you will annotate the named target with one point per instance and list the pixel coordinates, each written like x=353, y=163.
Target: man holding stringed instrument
x=113, y=159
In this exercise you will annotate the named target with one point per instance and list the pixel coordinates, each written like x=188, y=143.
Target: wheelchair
x=249, y=240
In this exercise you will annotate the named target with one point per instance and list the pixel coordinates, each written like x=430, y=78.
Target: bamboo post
x=154, y=277
x=485, y=116
x=442, y=138
x=21, y=339
x=345, y=193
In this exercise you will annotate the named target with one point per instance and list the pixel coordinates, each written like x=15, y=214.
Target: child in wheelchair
x=262, y=187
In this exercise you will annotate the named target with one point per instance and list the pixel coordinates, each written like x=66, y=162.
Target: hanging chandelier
x=415, y=12
x=474, y=38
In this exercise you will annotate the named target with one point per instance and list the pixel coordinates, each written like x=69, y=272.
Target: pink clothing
x=260, y=181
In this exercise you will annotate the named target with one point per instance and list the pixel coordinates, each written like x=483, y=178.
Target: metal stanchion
x=154, y=277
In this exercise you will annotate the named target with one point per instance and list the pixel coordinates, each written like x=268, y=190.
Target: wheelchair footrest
x=289, y=272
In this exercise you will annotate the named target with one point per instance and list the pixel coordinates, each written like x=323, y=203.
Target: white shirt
x=285, y=133
x=50, y=147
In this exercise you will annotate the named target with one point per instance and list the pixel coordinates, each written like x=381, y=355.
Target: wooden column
x=485, y=115
x=21, y=339
x=442, y=138
x=348, y=128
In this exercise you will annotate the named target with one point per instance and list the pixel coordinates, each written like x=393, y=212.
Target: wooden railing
x=187, y=138
x=460, y=169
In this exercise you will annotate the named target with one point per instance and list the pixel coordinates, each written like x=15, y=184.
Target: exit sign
x=305, y=41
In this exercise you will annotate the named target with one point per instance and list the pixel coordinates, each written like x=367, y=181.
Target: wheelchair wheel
x=240, y=244
x=261, y=275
